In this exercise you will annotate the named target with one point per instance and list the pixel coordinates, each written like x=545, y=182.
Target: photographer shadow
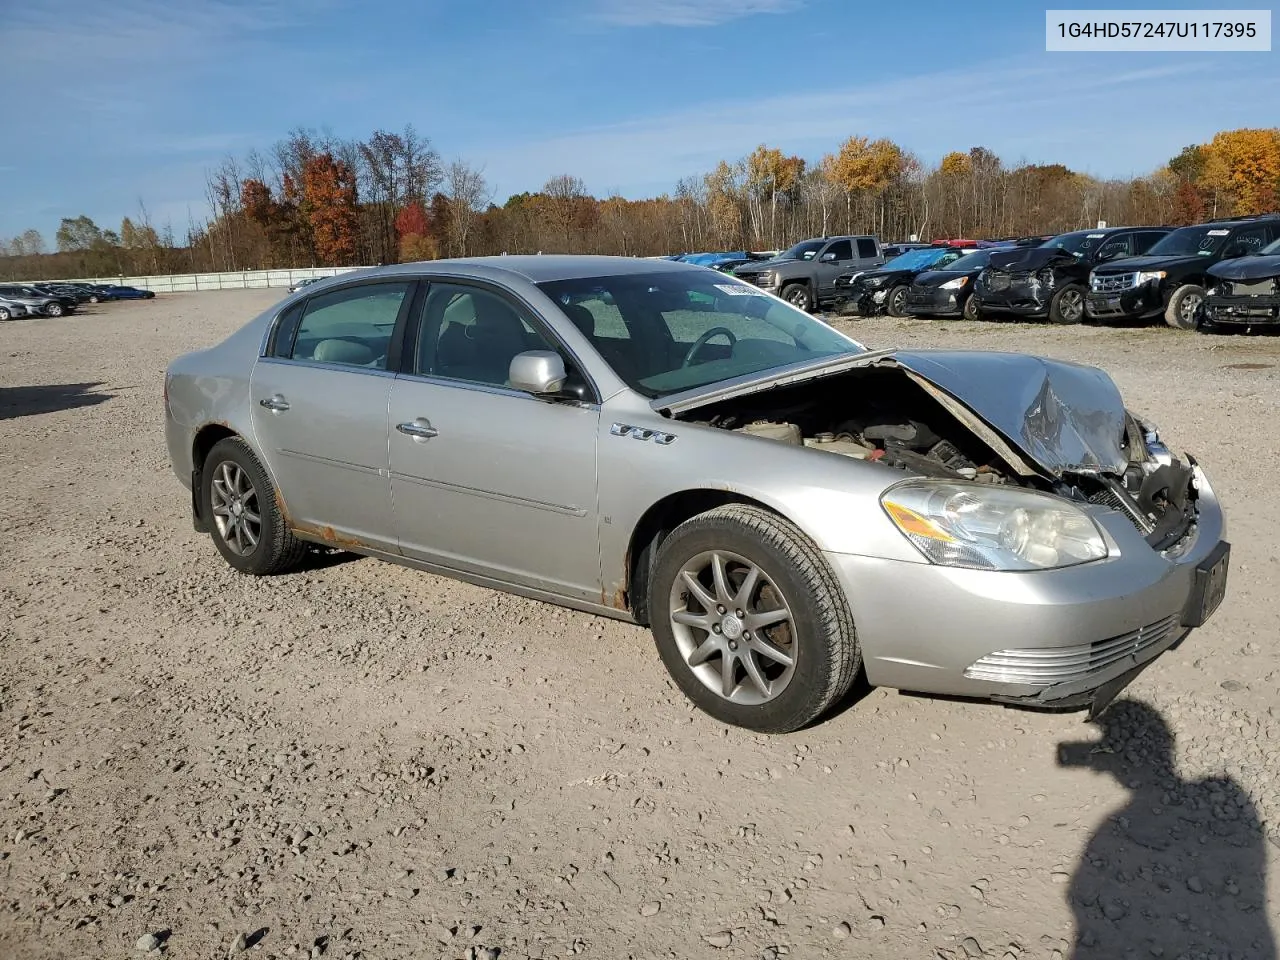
x=1180, y=870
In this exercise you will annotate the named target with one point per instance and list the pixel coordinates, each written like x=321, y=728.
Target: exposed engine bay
x=884, y=416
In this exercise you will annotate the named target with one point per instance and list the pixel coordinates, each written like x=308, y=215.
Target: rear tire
x=797, y=294
x=53, y=310
x=895, y=301
x=4, y=314
x=970, y=310
x=1067, y=305
x=1183, y=311
x=790, y=576
x=238, y=500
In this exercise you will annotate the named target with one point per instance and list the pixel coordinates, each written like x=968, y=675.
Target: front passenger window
x=472, y=334
x=351, y=327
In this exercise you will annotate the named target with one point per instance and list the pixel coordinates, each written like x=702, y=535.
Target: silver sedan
x=663, y=443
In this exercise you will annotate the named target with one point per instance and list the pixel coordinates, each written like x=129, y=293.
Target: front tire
x=53, y=310
x=93, y=299
x=896, y=301
x=1067, y=305
x=247, y=527
x=750, y=621
x=5, y=314
x=1183, y=311
x=970, y=310
x=797, y=294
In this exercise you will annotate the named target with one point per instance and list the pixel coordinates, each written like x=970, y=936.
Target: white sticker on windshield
x=739, y=290
x=1218, y=233
x=1095, y=236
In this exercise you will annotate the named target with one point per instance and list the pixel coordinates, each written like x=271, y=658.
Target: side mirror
x=537, y=372
x=828, y=257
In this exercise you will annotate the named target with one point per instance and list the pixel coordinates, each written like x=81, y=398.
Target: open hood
x=1247, y=268
x=1061, y=417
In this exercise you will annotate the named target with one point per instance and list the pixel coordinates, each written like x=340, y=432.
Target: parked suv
x=805, y=275
x=1170, y=280
x=1052, y=280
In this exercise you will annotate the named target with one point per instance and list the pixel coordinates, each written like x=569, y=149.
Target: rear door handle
x=420, y=429
x=275, y=403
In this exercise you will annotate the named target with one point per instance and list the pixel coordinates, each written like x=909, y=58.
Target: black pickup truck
x=1170, y=280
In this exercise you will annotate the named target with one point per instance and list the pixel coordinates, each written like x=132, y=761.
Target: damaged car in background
x=1051, y=281
x=884, y=289
x=1244, y=291
x=656, y=442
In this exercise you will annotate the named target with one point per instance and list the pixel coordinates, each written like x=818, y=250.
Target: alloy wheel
x=1188, y=308
x=1072, y=306
x=733, y=627
x=799, y=298
x=236, y=512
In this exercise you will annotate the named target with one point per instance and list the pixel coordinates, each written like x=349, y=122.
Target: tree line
x=314, y=199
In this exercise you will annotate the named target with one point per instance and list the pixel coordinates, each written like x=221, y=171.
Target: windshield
x=1078, y=244
x=805, y=250
x=1270, y=250
x=1189, y=242
x=970, y=261
x=919, y=259
x=671, y=331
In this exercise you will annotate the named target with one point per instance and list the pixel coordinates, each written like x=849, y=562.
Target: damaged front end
x=1244, y=291
x=1022, y=282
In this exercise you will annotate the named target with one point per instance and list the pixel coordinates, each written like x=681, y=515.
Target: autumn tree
x=414, y=232
x=770, y=175
x=465, y=192
x=329, y=193
x=1242, y=168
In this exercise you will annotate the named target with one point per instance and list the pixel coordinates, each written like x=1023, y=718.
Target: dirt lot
x=364, y=761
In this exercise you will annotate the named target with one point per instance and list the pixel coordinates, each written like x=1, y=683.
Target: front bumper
x=1019, y=297
x=934, y=301
x=1248, y=310
x=1043, y=638
x=1136, y=303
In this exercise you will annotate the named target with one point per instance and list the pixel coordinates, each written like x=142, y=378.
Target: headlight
x=955, y=284
x=1148, y=276
x=992, y=528
x=769, y=278
x=873, y=281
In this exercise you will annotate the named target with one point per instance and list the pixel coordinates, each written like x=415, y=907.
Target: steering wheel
x=702, y=341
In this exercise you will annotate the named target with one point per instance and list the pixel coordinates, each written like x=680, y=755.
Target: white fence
x=237, y=280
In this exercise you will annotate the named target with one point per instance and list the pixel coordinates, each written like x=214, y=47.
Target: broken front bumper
x=1053, y=638
x=934, y=301
x=1249, y=310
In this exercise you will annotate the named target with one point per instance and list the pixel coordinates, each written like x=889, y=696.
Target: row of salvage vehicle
x=19, y=300
x=1218, y=273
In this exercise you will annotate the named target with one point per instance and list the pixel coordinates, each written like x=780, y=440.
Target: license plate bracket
x=1209, y=586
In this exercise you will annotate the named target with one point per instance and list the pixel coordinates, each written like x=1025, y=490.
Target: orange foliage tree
x=329, y=195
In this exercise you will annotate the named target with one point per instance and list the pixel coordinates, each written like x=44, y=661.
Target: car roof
x=535, y=268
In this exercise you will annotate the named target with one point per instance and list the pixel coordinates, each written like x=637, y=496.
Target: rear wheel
x=1183, y=311
x=970, y=310
x=796, y=294
x=1067, y=305
x=53, y=309
x=93, y=299
x=246, y=525
x=5, y=314
x=896, y=301
x=756, y=630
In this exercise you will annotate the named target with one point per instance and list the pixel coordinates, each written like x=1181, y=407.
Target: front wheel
x=970, y=310
x=756, y=630
x=53, y=310
x=5, y=314
x=796, y=294
x=1067, y=305
x=246, y=525
x=93, y=299
x=896, y=301
x=1183, y=311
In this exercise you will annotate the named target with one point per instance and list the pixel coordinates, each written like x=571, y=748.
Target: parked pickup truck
x=805, y=275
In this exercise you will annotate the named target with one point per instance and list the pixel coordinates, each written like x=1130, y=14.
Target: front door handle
x=275, y=403
x=420, y=429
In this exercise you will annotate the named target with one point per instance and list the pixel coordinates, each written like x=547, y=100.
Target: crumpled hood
x=1247, y=268
x=1067, y=417
x=1028, y=259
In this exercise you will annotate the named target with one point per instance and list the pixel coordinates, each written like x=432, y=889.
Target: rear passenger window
x=866, y=248
x=349, y=327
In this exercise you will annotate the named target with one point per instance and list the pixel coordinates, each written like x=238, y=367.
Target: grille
x=1112, y=498
x=1051, y=665
x=1113, y=282
x=1259, y=288
x=997, y=280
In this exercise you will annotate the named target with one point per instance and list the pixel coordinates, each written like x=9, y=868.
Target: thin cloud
x=686, y=13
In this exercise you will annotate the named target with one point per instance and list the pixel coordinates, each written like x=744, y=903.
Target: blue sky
x=107, y=103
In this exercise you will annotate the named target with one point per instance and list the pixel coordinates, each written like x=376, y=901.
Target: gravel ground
x=365, y=761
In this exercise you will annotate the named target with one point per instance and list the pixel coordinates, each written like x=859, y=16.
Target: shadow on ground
x=1180, y=870
x=30, y=401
